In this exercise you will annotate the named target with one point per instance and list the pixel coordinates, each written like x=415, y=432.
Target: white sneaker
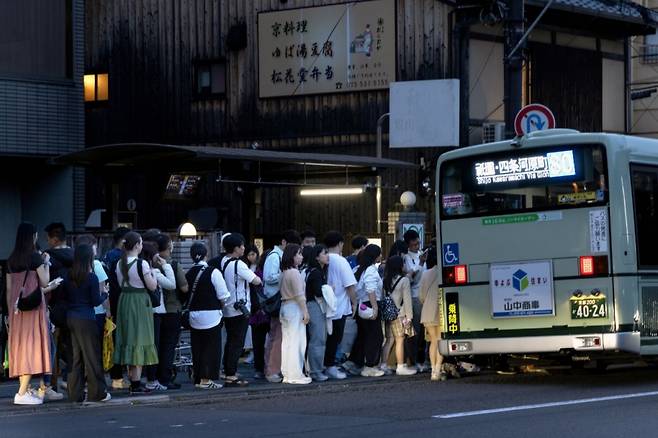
x=209, y=385
x=335, y=373
x=27, y=399
x=120, y=384
x=49, y=394
x=274, y=378
x=352, y=368
x=403, y=370
x=299, y=381
x=371, y=372
x=155, y=386
x=107, y=397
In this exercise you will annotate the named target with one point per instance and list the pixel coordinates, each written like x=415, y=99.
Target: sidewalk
x=188, y=395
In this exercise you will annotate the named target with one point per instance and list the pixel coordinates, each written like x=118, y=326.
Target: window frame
x=96, y=101
x=209, y=62
x=642, y=167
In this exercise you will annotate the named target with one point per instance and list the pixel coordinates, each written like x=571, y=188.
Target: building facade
x=41, y=114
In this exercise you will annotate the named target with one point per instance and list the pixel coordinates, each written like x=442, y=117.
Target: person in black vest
x=207, y=293
x=237, y=308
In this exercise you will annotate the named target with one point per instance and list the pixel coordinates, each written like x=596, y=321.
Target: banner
x=327, y=49
x=521, y=289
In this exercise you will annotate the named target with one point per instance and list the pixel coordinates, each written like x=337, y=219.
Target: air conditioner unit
x=494, y=131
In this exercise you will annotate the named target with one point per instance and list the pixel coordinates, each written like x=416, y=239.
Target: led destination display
x=510, y=169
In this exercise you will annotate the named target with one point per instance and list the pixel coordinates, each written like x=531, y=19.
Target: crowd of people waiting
x=297, y=299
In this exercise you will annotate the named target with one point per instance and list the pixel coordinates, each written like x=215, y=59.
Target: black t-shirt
x=35, y=262
x=314, y=281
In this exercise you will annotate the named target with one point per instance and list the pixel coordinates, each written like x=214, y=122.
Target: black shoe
x=140, y=390
x=172, y=386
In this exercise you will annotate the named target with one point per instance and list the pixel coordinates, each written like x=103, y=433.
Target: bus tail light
x=455, y=274
x=593, y=265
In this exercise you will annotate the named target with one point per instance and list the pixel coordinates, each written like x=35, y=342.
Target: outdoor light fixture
x=335, y=191
x=187, y=230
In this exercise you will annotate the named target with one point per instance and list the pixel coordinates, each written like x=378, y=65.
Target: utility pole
x=514, y=22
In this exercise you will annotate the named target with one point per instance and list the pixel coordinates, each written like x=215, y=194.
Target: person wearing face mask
x=294, y=317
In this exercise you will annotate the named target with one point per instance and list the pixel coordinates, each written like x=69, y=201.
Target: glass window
x=211, y=78
x=645, y=196
x=524, y=180
x=96, y=87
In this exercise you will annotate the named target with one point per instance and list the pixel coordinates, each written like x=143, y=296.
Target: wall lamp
x=334, y=191
x=187, y=230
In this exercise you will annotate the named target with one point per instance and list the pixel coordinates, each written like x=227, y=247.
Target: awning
x=230, y=162
x=612, y=18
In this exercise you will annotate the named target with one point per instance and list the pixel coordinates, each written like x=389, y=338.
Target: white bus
x=548, y=244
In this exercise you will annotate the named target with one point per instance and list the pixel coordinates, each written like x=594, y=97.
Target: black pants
x=152, y=370
x=169, y=334
x=333, y=341
x=86, y=360
x=205, y=352
x=236, y=330
x=258, y=337
x=368, y=344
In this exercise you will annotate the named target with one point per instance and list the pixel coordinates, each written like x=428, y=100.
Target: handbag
x=270, y=305
x=154, y=295
x=390, y=311
x=25, y=303
x=185, y=313
x=365, y=311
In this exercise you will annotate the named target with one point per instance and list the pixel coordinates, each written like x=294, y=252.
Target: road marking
x=546, y=405
x=127, y=427
x=176, y=425
x=199, y=424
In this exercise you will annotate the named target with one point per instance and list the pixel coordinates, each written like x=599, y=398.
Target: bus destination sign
x=510, y=169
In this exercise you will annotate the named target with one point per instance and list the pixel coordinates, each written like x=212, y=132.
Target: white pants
x=293, y=343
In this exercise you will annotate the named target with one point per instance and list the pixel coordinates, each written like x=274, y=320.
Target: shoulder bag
x=31, y=301
x=154, y=295
x=185, y=314
x=390, y=311
x=270, y=305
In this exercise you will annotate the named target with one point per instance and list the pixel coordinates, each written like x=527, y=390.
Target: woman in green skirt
x=134, y=344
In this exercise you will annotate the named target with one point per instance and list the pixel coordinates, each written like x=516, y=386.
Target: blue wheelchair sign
x=450, y=254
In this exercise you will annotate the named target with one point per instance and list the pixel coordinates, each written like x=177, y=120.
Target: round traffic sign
x=533, y=117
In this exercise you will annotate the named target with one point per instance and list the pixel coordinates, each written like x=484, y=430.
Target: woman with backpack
x=135, y=343
x=208, y=292
x=317, y=263
x=397, y=287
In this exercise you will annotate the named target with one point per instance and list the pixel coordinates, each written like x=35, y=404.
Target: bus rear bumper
x=628, y=342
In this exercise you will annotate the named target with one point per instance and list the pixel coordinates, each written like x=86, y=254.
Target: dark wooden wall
x=149, y=47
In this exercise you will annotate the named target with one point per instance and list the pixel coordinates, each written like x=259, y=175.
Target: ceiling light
x=334, y=191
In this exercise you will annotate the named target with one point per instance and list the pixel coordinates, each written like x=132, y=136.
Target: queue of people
x=296, y=298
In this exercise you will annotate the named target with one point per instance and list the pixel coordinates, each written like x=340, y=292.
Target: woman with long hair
x=135, y=343
x=430, y=315
x=368, y=344
x=317, y=264
x=82, y=291
x=208, y=293
x=294, y=316
x=29, y=339
x=397, y=286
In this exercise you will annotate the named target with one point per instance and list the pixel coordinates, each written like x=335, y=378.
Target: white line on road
x=546, y=405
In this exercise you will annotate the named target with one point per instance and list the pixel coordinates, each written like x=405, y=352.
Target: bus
x=548, y=245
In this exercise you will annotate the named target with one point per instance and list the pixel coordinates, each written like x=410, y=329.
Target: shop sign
x=521, y=289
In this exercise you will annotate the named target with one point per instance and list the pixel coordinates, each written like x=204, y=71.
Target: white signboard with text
x=327, y=49
x=598, y=231
x=522, y=289
x=424, y=113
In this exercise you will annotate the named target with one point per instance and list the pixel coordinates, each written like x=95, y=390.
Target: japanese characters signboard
x=550, y=165
x=452, y=312
x=598, y=231
x=327, y=49
x=522, y=289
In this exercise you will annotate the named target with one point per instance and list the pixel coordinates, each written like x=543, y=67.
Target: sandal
x=235, y=381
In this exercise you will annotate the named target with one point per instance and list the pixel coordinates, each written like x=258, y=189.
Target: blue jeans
x=317, y=337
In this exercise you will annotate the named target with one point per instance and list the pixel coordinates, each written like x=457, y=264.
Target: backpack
x=389, y=310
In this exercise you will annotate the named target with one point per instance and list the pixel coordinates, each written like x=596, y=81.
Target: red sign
x=533, y=117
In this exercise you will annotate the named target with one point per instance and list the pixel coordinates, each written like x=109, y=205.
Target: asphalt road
x=613, y=404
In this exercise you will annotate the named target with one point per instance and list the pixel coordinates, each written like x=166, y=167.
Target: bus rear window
x=526, y=180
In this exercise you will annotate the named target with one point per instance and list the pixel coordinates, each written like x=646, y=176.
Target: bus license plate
x=588, y=307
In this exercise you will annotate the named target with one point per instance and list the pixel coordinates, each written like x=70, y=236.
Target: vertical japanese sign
x=327, y=49
x=598, y=231
x=452, y=312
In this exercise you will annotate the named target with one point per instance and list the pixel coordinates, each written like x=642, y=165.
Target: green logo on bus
x=520, y=280
x=516, y=219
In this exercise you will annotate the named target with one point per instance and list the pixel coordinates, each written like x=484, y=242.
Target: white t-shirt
x=412, y=265
x=102, y=276
x=272, y=272
x=370, y=281
x=206, y=319
x=245, y=276
x=340, y=277
x=165, y=281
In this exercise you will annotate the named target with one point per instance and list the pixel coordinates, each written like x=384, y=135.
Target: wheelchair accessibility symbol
x=450, y=254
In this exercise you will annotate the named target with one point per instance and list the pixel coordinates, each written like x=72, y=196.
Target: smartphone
x=56, y=282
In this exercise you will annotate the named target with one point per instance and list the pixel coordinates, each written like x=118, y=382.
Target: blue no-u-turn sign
x=450, y=254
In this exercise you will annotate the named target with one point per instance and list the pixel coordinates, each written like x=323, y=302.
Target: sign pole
x=378, y=182
x=514, y=46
